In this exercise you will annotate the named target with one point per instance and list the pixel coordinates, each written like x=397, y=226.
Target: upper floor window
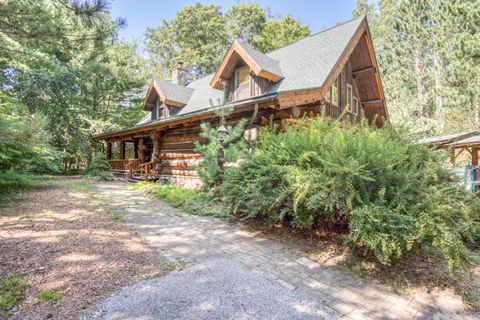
x=332, y=94
x=242, y=83
x=335, y=92
x=154, y=112
x=164, y=111
x=355, y=106
x=349, y=104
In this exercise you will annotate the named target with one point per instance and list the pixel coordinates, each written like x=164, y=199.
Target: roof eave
x=111, y=134
x=216, y=82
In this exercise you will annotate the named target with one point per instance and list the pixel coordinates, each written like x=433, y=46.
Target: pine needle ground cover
x=390, y=197
x=12, y=182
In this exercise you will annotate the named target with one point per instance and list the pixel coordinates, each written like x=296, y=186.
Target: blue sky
x=140, y=14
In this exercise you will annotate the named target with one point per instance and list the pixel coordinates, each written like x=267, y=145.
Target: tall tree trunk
x=476, y=111
x=438, y=90
x=421, y=90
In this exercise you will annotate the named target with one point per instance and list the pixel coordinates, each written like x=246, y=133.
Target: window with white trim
x=163, y=111
x=349, y=104
x=328, y=95
x=242, y=83
x=355, y=106
x=331, y=96
x=335, y=92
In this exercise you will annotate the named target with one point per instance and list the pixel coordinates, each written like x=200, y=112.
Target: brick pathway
x=192, y=239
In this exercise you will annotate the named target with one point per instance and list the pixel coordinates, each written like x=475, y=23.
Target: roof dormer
x=240, y=58
x=166, y=93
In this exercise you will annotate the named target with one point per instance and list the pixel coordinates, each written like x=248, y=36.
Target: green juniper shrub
x=234, y=147
x=389, y=195
x=99, y=168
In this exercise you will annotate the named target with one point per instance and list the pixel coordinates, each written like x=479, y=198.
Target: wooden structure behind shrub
x=167, y=143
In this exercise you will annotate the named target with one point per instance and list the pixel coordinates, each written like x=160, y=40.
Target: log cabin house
x=332, y=74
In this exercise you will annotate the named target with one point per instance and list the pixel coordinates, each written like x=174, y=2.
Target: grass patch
x=118, y=216
x=12, y=182
x=173, y=266
x=47, y=213
x=12, y=289
x=191, y=201
x=47, y=296
x=83, y=186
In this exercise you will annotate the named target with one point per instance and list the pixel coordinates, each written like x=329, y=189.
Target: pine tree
x=428, y=52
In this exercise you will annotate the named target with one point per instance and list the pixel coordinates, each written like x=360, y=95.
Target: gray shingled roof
x=304, y=64
x=174, y=92
x=262, y=60
x=145, y=119
x=307, y=63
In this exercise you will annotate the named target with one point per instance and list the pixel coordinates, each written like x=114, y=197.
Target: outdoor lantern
x=222, y=132
x=250, y=133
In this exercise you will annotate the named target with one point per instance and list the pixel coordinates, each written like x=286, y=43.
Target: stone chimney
x=180, y=75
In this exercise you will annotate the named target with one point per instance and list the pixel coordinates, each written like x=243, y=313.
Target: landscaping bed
x=66, y=250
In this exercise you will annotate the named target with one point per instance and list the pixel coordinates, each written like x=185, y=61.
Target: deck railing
x=146, y=169
x=118, y=164
x=132, y=167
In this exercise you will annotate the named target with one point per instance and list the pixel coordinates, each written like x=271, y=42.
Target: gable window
x=349, y=104
x=242, y=83
x=355, y=106
x=332, y=94
x=335, y=92
x=328, y=95
x=154, y=113
x=164, y=112
x=155, y=110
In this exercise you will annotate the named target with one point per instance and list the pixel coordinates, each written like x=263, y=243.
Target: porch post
x=141, y=149
x=109, y=150
x=474, y=156
x=135, y=149
x=452, y=156
x=122, y=150
x=156, y=136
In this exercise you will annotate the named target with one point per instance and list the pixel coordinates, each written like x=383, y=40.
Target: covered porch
x=464, y=146
x=138, y=164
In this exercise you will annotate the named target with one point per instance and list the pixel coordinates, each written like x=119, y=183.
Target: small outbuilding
x=457, y=144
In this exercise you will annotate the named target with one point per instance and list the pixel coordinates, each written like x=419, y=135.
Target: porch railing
x=118, y=164
x=132, y=167
x=146, y=169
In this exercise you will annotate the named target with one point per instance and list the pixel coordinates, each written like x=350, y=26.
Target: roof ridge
x=171, y=83
x=266, y=53
x=241, y=42
x=317, y=33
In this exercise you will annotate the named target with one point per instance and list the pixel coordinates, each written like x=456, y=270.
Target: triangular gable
x=359, y=53
x=259, y=63
x=169, y=93
x=365, y=73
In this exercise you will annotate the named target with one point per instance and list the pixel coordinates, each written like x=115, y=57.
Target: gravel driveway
x=219, y=289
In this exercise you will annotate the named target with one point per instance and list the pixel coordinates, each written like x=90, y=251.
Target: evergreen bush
x=390, y=195
x=234, y=147
x=99, y=168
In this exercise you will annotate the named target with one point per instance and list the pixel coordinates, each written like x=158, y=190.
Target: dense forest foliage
x=65, y=76
x=429, y=56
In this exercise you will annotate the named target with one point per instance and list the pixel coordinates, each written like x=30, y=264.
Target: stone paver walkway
x=192, y=239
